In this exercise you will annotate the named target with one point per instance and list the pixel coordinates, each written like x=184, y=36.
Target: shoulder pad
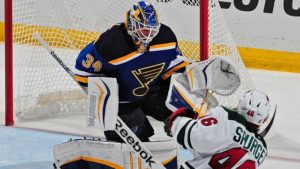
x=165, y=35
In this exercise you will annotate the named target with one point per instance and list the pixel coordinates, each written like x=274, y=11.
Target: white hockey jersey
x=219, y=140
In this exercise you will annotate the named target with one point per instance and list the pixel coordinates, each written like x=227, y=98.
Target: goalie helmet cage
x=33, y=80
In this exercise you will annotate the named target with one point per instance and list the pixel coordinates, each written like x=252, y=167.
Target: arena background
x=265, y=32
x=267, y=35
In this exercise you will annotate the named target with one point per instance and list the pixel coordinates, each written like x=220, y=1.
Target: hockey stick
x=121, y=128
x=267, y=129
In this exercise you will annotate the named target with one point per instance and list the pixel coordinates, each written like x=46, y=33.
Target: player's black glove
x=185, y=112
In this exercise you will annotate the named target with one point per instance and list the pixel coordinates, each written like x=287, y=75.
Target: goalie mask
x=142, y=24
x=255, y=107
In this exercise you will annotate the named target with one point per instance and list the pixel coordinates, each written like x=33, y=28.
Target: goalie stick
x=121, y=128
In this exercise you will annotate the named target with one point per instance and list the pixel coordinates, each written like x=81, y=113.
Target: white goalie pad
x=180, y=95
x=92, y=154
x=219, y=74
x=164, y=151
x=103, y=101
x=67, y=155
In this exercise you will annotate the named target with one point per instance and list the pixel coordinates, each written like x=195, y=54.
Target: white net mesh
x=222, y=44
x=67, y=26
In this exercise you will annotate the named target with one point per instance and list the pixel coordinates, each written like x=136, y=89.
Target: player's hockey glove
x=185, y=112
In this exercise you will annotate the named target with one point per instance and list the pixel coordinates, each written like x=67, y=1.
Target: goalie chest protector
x=114, y=55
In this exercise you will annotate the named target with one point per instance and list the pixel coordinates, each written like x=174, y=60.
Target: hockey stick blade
x=121, y=128
x=267, y=129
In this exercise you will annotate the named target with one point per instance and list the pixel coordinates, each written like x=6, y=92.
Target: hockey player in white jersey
x=223, y=138
x=219, y=138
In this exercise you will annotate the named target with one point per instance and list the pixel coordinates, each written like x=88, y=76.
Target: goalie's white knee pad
x=100, y=154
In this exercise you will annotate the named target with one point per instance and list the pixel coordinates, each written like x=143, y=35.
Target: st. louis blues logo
x=145, y=76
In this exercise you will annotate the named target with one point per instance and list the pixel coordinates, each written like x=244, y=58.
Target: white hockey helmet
x=142, y=23
x=255, y=107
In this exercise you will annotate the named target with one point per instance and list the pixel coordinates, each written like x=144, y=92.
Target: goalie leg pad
x=88, y=154
x=164, y=151
x=92, y=154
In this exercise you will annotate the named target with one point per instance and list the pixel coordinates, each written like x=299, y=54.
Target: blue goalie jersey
x=114, y=54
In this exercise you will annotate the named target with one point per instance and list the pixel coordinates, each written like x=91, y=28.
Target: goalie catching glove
x=185, y=112
x=219, y=74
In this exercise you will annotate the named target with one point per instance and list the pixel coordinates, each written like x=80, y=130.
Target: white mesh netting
x=69, y=25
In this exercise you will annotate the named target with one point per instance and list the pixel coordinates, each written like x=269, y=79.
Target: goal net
x=42, y=87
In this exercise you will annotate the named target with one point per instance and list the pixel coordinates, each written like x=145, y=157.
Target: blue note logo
x=145, y=76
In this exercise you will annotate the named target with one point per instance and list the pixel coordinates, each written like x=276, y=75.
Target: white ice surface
x=30, y=149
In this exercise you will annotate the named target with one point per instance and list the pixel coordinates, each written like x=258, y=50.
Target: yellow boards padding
x=1, y=31
x=270, y=59
x=253, y=57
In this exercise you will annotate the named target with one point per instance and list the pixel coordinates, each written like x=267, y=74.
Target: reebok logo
x=134, y=143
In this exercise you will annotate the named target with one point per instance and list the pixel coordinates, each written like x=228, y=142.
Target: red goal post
x=33, y=80
x=9, y=120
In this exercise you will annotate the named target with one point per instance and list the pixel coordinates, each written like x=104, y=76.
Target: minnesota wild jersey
x=220, y=140
x=114, y=54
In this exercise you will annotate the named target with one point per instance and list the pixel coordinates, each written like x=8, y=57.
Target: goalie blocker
x=95, y=154
x=103, y=103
